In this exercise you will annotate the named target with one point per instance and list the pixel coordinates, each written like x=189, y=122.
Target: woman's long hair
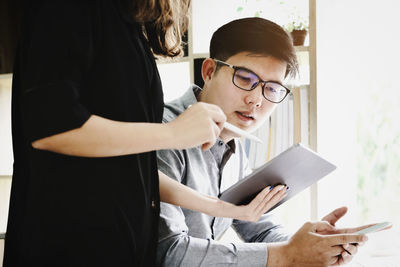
x=164, y=21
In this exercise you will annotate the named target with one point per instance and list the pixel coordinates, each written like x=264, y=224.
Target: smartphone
x=373, y=228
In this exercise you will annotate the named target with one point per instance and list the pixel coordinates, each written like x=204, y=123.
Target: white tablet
x=297, y=167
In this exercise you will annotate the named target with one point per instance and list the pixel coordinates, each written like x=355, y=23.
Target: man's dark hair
x=256, y=36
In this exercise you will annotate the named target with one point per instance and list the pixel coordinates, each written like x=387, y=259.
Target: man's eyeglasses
x=247, y=80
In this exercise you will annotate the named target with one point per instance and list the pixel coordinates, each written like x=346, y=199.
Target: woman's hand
x=200, y=124
x=264, y=201
x=178, y=194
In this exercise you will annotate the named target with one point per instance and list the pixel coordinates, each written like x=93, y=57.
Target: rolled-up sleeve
x=266, y=229
x=53, y=108
x=177, y=248
x=56, y=58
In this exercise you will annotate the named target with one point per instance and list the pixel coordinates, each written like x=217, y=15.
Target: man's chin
x=229, y=134
x=248, y=128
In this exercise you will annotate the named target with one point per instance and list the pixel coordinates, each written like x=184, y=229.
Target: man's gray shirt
x=188, y=238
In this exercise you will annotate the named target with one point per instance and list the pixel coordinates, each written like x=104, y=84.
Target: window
x=358, y=115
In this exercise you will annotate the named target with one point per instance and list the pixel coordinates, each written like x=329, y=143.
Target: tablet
x=297, y=167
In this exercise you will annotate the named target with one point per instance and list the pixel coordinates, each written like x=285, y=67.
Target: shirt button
x=153, y=204
x=221, y=143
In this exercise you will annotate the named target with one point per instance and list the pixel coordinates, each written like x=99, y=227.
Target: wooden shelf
x=302, y=48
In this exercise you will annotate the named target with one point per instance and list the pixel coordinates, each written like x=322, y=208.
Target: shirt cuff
x=251, y=254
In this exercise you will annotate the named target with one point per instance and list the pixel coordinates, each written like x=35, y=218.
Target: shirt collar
x=232, y=145
x=190, y=97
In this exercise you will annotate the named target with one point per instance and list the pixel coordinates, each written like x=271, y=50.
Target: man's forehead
x=252, y=61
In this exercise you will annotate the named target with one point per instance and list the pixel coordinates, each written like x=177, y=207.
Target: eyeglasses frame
x=263, y=83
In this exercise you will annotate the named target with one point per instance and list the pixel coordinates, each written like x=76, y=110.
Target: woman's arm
x=178, y=194
x=99, y=137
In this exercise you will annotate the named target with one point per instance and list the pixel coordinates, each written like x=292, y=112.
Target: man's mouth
x=245, y=116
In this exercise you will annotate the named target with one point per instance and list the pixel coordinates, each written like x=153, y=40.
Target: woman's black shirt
x=78, y=58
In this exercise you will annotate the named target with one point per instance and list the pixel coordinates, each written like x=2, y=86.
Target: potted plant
x=298, y=29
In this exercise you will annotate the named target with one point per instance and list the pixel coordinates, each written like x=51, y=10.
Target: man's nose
x=255, y=96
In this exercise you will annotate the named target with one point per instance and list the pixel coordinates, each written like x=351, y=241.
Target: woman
x=87, y=106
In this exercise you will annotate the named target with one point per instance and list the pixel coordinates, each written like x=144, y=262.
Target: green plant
x=297, y=19
x=291, y=14
x=297, y=23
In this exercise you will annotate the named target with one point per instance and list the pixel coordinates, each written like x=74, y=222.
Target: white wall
x=6, y=157
x=357, y=54
x=5, y=186
x=336, y=80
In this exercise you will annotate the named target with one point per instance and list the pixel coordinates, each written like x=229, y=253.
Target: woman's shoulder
x=65, y=16
x=67, y=8
x=57, y=9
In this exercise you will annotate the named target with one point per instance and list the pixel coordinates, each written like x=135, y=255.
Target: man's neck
x=225, y=136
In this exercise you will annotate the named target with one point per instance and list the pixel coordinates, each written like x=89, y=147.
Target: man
x=250, y=59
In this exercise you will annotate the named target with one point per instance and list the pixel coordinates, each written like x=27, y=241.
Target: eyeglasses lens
x=248, y=80
x=245, y=80
x=274, y=92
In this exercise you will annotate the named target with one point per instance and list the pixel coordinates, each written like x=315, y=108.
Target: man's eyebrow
x=245, y=68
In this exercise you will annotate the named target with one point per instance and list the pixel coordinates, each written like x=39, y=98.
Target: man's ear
x=207, y=69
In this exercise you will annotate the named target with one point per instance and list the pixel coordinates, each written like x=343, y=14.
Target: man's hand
x=349, y=250
x=329, y=248
x=335, y=215
x=308, y=247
